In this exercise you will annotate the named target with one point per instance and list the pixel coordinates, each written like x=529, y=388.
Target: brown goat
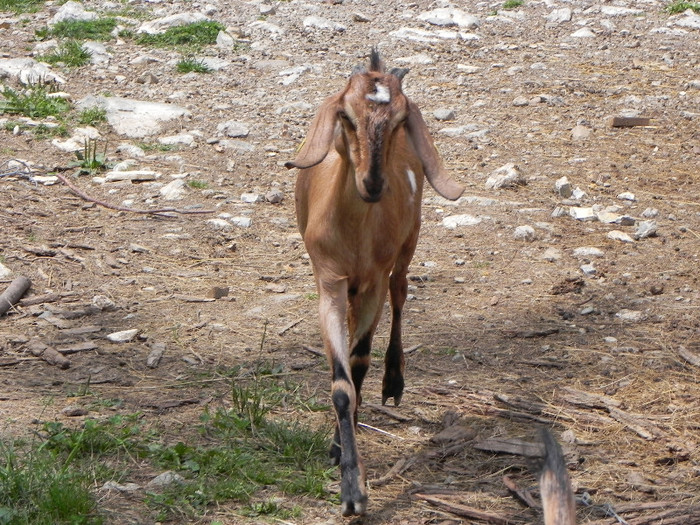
x=555, y=487
x=358, y=199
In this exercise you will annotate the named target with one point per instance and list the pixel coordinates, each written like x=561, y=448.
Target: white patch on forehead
x=411, y=180
x=381, y=96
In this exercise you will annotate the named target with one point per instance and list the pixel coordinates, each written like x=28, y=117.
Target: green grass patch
x=100, y=29
x=92, y=116
x=21, y=6
x=512, y=4
x=195, y=36
x=70, y=53
x=198, y=184
x=680, y=6
x=192, y=65
x=35, y=102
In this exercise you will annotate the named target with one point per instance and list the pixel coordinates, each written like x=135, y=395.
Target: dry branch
x=14, y=293
x=48, y=354
x=514, y=446
x=522, y=494
x=463, y=510
x=689, y=356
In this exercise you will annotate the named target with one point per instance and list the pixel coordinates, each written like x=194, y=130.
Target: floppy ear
x=435, y=172
x=320, y=136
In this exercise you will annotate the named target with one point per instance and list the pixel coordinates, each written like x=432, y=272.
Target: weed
x=21, y=6
x=192, y=65
x=311, y=296
x=92, y=116
x=69, y=53
x=512, y=4
x=35, y=102
x=198, y=184
x=679, y=6
x=196, y=35
x=100, y=29
x=43, y=131
x=90, y=160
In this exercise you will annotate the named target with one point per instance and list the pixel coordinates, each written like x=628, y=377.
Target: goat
x=555, y=487
x=358, y=198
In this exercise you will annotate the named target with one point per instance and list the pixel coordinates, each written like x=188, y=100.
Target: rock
x=174, y=190
x=617, y=235
x=134, y=118
x=78, y=140
x=218, y=292
x=160, y=25
x=588, y=251
x=360, y=17
x=551, y=255
x=584, y=32
x=324, y=24
x=5, y=272
x=225, y=41
x=588, y=270
x=28, y=71
x=98, y=52
x=233, y=129
x=242, y=222
x=580, y=132
x=630, y=315
x=124, y=336
x=613, y=10
x=291, y=75
x=251, y=198
x=507, y=176
x=133, y=176
x=468, y=130
x=219, y=224
x=419, y=59
x=646, y=229
x=74, y=411
x=627, y=196
x=444, y=114
x=520, y=102
x=72, y=12
x=272, y=30
x=449, y=16
x=417, y=35
x=559, y=16
x=453, y=221
x=103, y=303
x=266, y=9
x=524, y=233
x=582, y=214
x=274, y=196
x=650, y=213
x=127, y=487
x=563, y=187
x=689, y=19
x=165, y=480
x=131, y=150
x=182, y=139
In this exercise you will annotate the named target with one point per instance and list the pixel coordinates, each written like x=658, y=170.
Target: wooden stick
x=522, y=494
x=464, y=511
x=14, y=293
x=48, y=354
x=313, y=350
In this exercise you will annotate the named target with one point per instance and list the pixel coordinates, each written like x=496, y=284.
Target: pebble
x=588, y=270
x=449, y=16
x=563, y=187
x=552, y=254
x=524, y=233
x=559, y=16
x=583, y=214
x=627, y=196
x=650, y=213
x=324, y=24
x=645, y=229
x=588, y=251
x=124, y=336
x=444, y=114
x=584, y=32
x=233, y=129
x=74, y=411
x=580, y=132
x=127, y=487
x=251, y=198
x=507, y=176
x=617, y=235
x=174, y=190
x=5, y=272
x=453, y=221
x=166, y=479
x=630, y=315
x=274, y=196
x=155, y=355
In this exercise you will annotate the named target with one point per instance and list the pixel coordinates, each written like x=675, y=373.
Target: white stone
x=5, y=272
x=134, y=118
x=524, y=233
x=324, y=24
x=588, y=251
x=506, y=176
x=78, y=140
x=563, y=187
x=580, y=132
x=551, y=254
x=242, y=222
x=448, y=16
x=613, y=10
x=219, y=224
x=453, y=221
x=690, y=20
x=559, y=16
x=98, y=52
x=185, y=139
x=645, y=229
x=584, y=32
x=224, y=40
x=124, y=336
x=273, y=30
x=419, y=59
x=28, y=71
x=166, y=479
x=71, y=12
x=134, y=176
x=617, y=235
x=233, y=129
x=627, y=196
x=251, y=198
x=582, y=213
x=588, y=269
x=417, y=35
x=174, y=190
x=160, y=25
x=633, y=316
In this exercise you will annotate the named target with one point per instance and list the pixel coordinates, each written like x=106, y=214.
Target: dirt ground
x=509, y=340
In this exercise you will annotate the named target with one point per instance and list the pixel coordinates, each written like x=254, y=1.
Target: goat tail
x=555, y=486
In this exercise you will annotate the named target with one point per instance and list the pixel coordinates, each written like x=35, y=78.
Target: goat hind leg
x=394, y=363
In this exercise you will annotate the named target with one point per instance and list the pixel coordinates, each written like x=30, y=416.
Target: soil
x=509, y=340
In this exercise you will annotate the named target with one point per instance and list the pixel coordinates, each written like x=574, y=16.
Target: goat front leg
x=332, y=310
x=394, y=363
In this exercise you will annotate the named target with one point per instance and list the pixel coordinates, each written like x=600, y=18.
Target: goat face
x=371, y=110
x=361, y=121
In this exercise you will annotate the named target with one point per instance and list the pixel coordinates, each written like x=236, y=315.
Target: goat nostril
x=373, y=189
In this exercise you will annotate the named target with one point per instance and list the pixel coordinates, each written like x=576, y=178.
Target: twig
x=313, y=350
x=14, y=293
x=464, y=511
x=379, y=430
x=104, y=204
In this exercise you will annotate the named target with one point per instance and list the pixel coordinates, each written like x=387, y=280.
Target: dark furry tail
x=555, y=487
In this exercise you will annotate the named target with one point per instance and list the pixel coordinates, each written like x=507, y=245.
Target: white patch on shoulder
x=381, y=96
x=411, y=180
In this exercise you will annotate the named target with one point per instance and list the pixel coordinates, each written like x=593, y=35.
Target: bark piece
x=629, y=122
x=18, y=287
x=48, y=354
